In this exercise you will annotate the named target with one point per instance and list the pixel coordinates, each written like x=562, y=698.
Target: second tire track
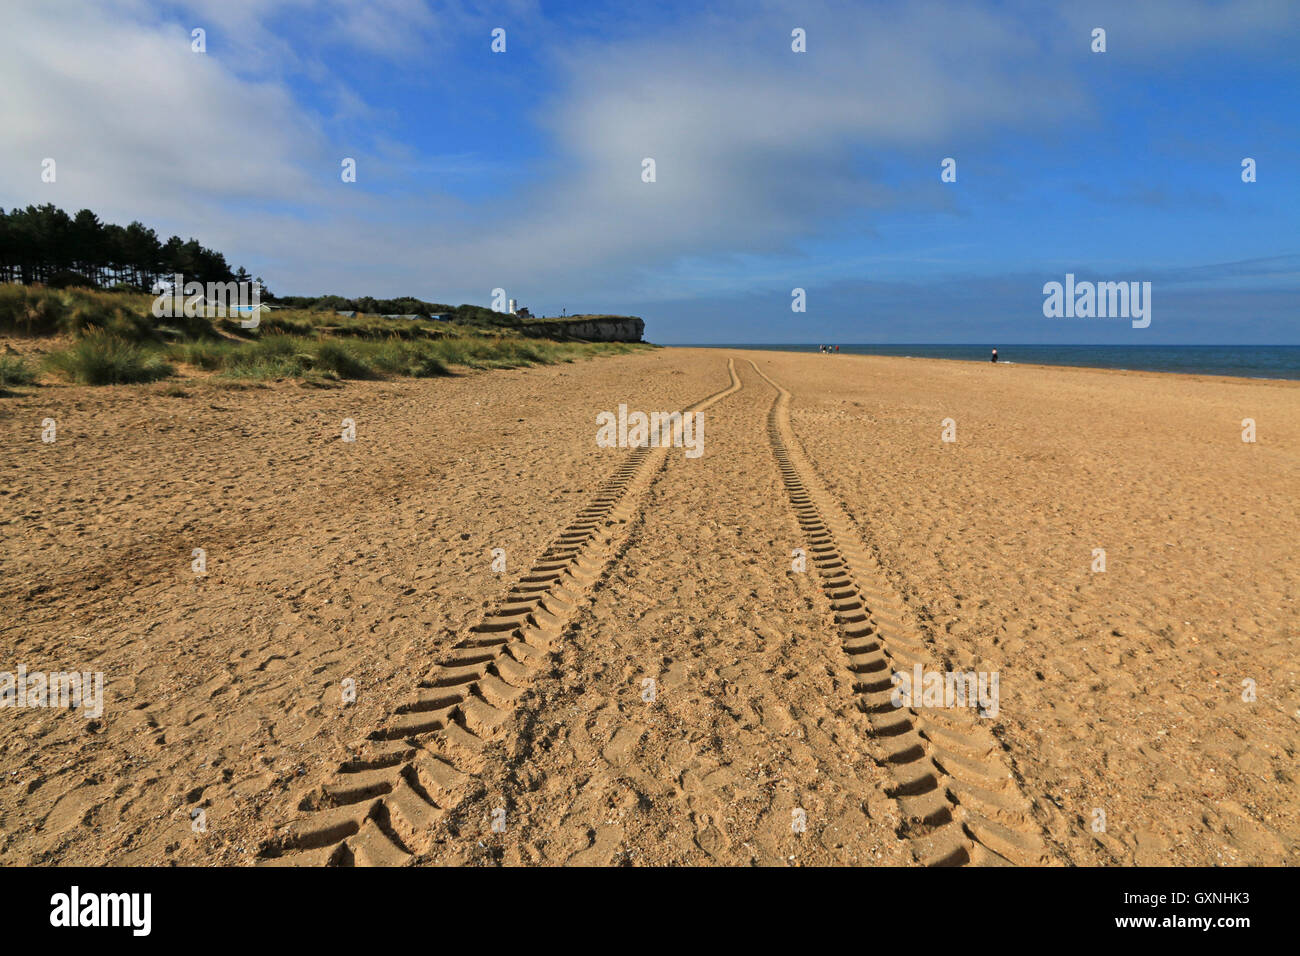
x=960, y=802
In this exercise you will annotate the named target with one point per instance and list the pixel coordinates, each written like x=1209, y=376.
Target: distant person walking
x=995, y=355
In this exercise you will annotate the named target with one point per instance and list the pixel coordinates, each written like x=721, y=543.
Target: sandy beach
x=472, y=635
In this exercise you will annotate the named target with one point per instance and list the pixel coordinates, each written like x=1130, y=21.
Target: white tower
x=514, y=304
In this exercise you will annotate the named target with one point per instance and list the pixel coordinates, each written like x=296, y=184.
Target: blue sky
x=775, y=169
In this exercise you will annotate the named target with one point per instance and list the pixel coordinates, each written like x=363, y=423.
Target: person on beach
x=995, y=355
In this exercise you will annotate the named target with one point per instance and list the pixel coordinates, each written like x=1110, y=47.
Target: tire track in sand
x=960, y=802
x=382, y=803
x=748, y=723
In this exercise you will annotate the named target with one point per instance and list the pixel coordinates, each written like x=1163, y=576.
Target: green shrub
x=268, y=356
x=464, y=351
x=393, y=356
x=276, y=347
x=31, y=310
x=101, y=358
x=209, y=356
x=66, y=279
x=429, y=366
x=46, y=309
x=14, y=370
x=341, y=360
x=13, y=307
x=277, y=323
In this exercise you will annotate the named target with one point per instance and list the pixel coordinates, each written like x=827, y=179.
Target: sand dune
x=502, y=715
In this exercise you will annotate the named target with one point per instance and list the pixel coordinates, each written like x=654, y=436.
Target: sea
x=1246, y=361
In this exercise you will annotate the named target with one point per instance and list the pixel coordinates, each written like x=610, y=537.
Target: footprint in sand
x=73, y=809
x=709, y=837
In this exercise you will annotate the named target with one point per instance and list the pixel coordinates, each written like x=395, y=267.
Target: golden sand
x=651, y=678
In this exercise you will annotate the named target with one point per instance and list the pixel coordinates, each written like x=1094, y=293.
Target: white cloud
x=758, y=149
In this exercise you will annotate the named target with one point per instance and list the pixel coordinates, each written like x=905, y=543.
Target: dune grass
x=35, y=310
x=117, y=339
x=278, y=355
x=102, y=358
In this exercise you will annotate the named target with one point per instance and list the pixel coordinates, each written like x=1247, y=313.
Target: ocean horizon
x=1243, y=361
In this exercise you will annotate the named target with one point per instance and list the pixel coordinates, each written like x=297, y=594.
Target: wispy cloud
x=762, y=154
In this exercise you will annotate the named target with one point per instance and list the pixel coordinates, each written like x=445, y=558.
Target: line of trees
x=402, y=305
x=44, y=244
